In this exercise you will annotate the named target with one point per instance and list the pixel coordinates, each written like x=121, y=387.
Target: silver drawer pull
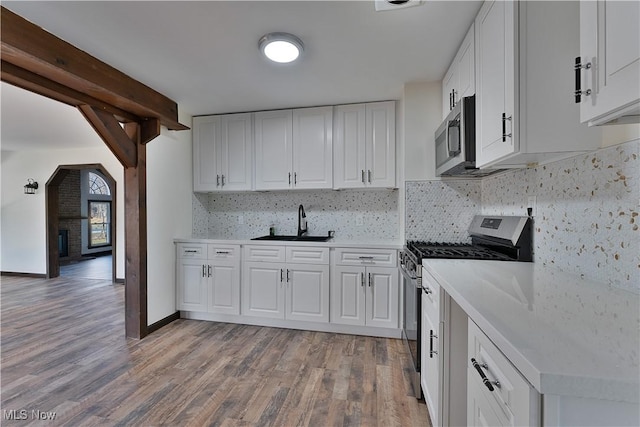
x=191, y=251
x=485, y=380
x=223, y=252
x=366, y=257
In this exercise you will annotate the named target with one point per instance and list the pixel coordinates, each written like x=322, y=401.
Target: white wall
x=169, y=214
x=23, y=217
x=23, y=220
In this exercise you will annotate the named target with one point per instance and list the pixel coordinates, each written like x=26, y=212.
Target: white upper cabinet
x=274, y=152
x=610, y=48
x=294, y=148
x=222, y=150
x=523, y=114
x=460, y=79
x=365, y=149
x=313, y=147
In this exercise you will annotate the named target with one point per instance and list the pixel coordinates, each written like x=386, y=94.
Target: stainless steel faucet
x=302, y=221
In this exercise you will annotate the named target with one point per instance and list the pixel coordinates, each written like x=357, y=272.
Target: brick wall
x=69, y=208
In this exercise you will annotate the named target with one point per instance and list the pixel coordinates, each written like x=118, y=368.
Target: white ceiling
x=204, y=55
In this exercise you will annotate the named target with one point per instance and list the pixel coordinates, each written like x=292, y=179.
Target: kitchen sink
x=294, y=238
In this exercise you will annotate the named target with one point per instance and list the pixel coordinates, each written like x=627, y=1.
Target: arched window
x=99, y=211
x=97, y=185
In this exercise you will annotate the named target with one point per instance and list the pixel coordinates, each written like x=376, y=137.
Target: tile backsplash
x=441, y=211
x=586, y=219
x=248, y=215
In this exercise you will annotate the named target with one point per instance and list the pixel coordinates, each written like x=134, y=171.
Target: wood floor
x=63, y=353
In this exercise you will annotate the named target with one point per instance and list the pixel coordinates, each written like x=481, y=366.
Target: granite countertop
x=565, y=334
x=336, y=242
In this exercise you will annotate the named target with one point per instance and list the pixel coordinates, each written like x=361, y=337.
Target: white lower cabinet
x=208, y=278
x=286, y=290
x=432, y=348
x=191, y=285
x=497, y=394
x=364, y=294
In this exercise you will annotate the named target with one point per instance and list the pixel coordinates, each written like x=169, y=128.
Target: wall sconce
x=31, y=187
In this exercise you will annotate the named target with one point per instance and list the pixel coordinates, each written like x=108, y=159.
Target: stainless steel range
x=497, y=238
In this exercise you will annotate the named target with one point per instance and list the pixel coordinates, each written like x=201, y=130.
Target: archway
x=52, y=196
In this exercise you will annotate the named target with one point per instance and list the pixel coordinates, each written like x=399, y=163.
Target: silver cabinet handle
x=208, y=271
x=223, y=252
x=295, y=178
x=191, y=251
x=427, y=291
x=369, y=279
x=369, y=175
x=281, y=275
x=431, y=337
x=490, y=384
x=578, y=90
x=288, y=275
x=223, y=180
x=363, y=176
x=289, y=178
x=217, y=180
x=504, y=127
x=365, y=257
x=362, y=280
x=203, y=270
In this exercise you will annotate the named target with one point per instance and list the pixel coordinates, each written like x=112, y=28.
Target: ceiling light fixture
x=281, y=47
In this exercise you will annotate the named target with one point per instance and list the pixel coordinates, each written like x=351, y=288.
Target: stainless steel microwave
x=456, y=142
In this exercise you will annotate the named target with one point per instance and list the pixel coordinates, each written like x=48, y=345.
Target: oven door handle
x=407, y=275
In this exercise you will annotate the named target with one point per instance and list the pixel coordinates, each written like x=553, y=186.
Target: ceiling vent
x=383, y=5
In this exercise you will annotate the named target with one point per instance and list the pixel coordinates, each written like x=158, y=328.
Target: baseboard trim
x=163, y=322
x=32, y=275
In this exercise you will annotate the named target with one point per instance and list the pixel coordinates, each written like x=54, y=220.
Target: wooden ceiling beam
x=29, y=47
x=37, y=84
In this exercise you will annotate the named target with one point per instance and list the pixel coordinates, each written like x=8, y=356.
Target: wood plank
x=31, y=48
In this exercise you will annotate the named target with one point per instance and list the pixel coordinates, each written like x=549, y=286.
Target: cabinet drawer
x=374, y=257
x=307, y=255
x=223, y=251
x=192, y=250
x=264, y=253
x=511, y=398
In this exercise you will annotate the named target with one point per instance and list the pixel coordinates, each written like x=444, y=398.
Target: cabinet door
x=349, y=146
x=224, y=287
x=273, y=150
x=495, y=30
x=466, y=66
x=430, y=363
x=307, y=294
x=449, y=83
x=382, y=297
x=381, y=144
x=192, y=285
x=206, y=137
x=313, y=147
x=348, y=295
x=610, y=40
x=236, y=152
x=263, y=293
